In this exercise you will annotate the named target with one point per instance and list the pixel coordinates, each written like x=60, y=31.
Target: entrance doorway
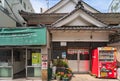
x=19, y=63
x=78, y=60
x=26, y=63
x=33, y=63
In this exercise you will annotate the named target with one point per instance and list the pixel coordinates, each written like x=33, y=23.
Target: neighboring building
x=9, y=12
x=114, y=6
x=21, y=52
x=115, y=38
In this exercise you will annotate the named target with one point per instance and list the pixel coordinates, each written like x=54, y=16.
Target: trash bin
x=118, y=73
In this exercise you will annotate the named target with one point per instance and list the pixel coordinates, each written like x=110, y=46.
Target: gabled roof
x=107, y=18
x=79, y=12
x=62, y=3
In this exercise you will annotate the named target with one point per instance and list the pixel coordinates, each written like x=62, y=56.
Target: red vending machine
x=104, y=62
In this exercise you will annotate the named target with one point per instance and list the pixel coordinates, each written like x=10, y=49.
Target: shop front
x=77, y=45
x=78, y=54
x=21, y=52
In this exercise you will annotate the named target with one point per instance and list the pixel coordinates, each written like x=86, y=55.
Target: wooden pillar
x=44, y=67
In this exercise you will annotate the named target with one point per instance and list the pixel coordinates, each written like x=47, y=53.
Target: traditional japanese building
x=75, y=29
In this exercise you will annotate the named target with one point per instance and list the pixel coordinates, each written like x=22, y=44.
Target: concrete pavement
x=87, y=77
x=21, y=79
x=76, y=77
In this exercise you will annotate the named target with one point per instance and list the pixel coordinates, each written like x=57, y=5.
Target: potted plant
x=65, y=77
x=59, y=75
x=58, y=78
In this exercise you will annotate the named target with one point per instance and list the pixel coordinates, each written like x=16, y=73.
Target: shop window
x=33, y=57
x=5, y=57
x=58, y=53
x=72, y=56
x=84, y=56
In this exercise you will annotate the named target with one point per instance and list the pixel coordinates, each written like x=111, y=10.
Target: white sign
x=63, y=43
x=44, y=65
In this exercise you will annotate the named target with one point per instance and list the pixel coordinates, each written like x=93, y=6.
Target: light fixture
x=91, y=36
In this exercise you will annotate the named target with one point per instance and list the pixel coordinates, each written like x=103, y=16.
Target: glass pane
x=106, y=55
x=34, y=57
x=84, y=56
x=5, y=58
x=72, y=56
x=5, y=72
x=33, y=72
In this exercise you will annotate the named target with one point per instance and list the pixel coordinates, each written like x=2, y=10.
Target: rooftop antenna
x=47, y=2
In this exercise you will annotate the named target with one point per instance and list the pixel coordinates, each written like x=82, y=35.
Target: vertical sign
x=44, y=61
x=44, y=65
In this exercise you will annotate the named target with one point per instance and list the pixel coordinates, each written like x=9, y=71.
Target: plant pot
x=65, y=79
x=58, y=78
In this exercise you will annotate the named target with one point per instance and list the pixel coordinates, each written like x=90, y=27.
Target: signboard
x=36, y=58
x=63, y=43
x=76, y=51
x=23, y=36
x=44, y=57
x=44, y=65
x=63, y=54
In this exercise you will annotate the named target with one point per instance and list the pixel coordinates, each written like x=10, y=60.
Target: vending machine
x=104, y=62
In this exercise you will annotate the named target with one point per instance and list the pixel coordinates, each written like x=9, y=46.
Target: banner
x=36, y=58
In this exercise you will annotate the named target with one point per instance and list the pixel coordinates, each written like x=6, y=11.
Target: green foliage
x=60, y=63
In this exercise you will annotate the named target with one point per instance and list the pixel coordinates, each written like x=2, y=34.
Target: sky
x=100, y=5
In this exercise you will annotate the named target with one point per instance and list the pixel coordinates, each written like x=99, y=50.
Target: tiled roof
x=83, y=28
x=41, y=18
x=108, y=18
x=81, y=8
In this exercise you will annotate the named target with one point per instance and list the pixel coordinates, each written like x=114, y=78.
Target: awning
x=22, y=36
